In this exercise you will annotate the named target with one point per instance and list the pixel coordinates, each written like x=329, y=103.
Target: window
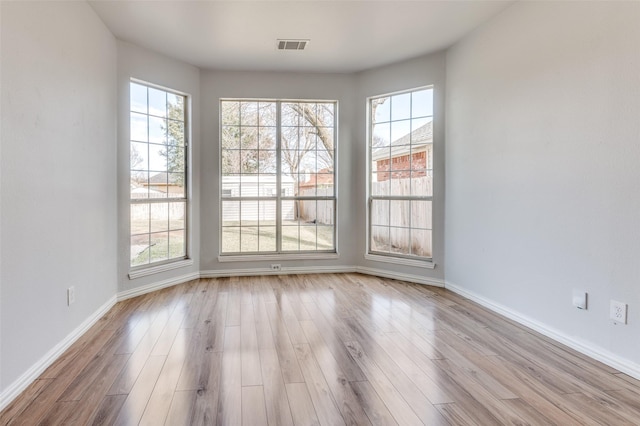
x=401, y=174
x=277, y=176
x=158, y=175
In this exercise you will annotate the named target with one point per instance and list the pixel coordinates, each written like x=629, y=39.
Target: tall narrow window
x=401, y=174
x=158, y=175
x=277, y=176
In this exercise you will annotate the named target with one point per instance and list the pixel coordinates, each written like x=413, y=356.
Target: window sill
x=268, y=257
x=427, y=264
x=159, y=268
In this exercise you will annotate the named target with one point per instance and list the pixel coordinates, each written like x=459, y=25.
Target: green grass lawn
x=296, y=235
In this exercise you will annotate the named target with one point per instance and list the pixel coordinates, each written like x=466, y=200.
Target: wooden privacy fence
x=390, y=220
x=320, y=211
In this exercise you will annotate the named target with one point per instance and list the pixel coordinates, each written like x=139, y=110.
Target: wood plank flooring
x=328, y=349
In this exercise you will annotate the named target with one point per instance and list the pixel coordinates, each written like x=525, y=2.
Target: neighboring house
x=256, y=186
x=413, y=151
x=322, y=179
x=166, y=183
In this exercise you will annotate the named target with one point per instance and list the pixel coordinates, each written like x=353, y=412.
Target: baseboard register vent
x=292, y=44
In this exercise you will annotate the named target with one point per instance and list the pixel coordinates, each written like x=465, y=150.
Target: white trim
x=159, y=268
x=589, y=349
x=428, y=264
x=435, y=282
x=18, y=386
x=284, y=271
x=139, y=291
x=269, y=257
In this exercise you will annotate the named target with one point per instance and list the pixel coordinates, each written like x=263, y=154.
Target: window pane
x=325, y=237
x=157, y=102
x=308, y=237
x=249, y=161
x=230, y=161
x=157, y=130
x=290, y=238
x=249, y=239
x=267, y=162
x=421, y=215
x=140, y=249
x=230, y=112
x=380, y=212
x=139, y=156
x=381, y=135
x=177, y=244
x=249, y=113
x=400, y=214
x=138, y=95
x=157, y=157
x=267, y=238
x=422, y=103
x=326, y=115
x=267, y=137
x=230, y=240
x=139, y=185
x=401, y=106
x=380, y=184
x=267, y=114
x=138, y=131
x=175, y=188
x=380, y=238
x=325, y=212
x=421, y=183
x=159, y=247
x=421, y=243
x=177, y=215
x=230, y=213
x=400, y=132
x=230, y=137
x=249, y=137
x=139, y=219
x=159, y=217
x=381, y=110
x=399, y=240
x=176, y=132
x=175, y=106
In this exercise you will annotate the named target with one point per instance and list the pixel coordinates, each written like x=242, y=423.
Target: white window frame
x=387, y=257
x=150, y=268
x=278, y=196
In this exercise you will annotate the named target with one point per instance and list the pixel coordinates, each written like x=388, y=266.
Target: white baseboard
x=436, y=282
x=596, y=352
x=17, y=387
x=139, y=291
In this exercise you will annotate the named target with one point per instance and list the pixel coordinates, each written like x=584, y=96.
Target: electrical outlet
x=579, y=299
x=618, y=312
x=276, y=267
x=71, y=295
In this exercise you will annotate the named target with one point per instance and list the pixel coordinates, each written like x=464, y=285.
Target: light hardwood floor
x=319, y=350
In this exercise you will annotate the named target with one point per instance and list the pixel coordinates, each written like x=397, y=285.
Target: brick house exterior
x=410, y=152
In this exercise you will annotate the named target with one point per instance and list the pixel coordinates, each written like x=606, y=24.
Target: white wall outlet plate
x=618, y=312
x=71, y=295
x=580, y=299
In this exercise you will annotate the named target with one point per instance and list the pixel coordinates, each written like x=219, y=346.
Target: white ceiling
x=346, y=36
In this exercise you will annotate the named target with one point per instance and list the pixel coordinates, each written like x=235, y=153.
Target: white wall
x=543, y=147
x=142, y=64
x=58, y=188
x=418, y=72
x=265, y=85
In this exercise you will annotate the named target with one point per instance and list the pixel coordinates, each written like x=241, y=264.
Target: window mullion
x=278, y=177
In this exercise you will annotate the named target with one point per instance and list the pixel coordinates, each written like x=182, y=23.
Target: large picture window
x=277, y=176
x=158, y=175
x=401, y=174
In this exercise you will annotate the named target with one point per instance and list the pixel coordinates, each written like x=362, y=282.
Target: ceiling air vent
x=292, y=44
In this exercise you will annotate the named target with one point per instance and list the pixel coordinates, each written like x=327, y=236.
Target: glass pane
x=157, y=130
x=422, y=131
x=159, y=246
x=249, y=186
x=380, y=239
x=230, y=112
x=138, y=97
x=400, y=184
x=307, y=211
x=249, y=113
x=400, y=214
x=249, y=137
x=401, y=161
x=290, y=115
x=230, y=161
x=290, y=162
x=325, y=212
x=175, y=159
x=249, y=161
x=139, y=156
x=421, y=183
x=175, y=106
x=157, y=102
x=290, y=238
x=325, y=238
x=249, y=213
x=139, y=219
x=399, y=240
x=326, y=114
x=177, y=214
x=138, y=130
x=157, y=158
x=267, y=162
x=421, y=214
x=267, y=241
x=287, y=188
x=230, y=213
x=421, y=243
x=326, y=150
x=400, y=132
x=139, y=185
x=139, y=250
x=267, y=211
x=249, y=239
x=267, y=113
x=419, y=157
x=309, y=116
x=308, y=237
x=380, y=183
x=159, y=217
x=288, y=212
x=267, y=137
x=176, y=132
x=230, y=240
x=231, y=186
x=380, y=212
x=230, y=137
x=308, y=162
x=381, y=110
x=175, y=187
x=177, y=244
x=401, y=106
x=422, y=103
x=381, y=135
